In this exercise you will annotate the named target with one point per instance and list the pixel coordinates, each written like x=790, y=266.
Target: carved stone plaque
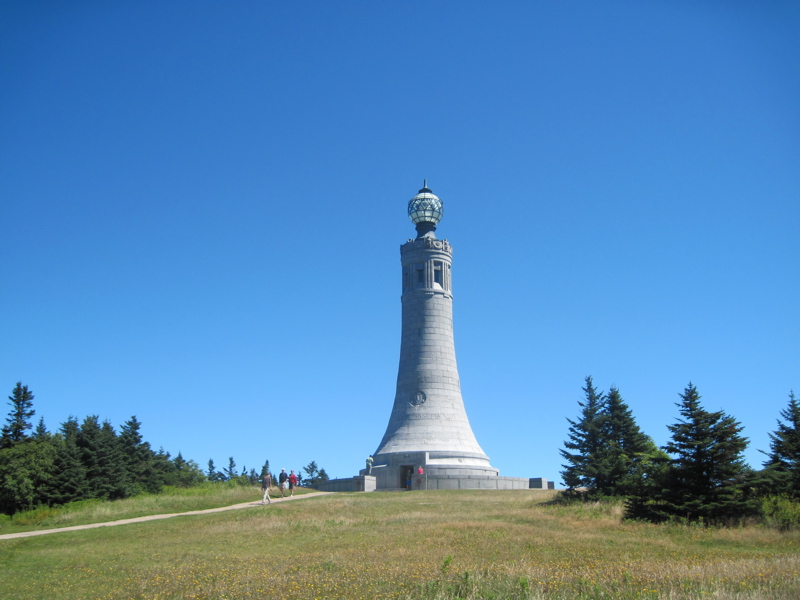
x=418, y=398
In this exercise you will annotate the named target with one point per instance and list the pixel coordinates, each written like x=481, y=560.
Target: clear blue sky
x=203, y=202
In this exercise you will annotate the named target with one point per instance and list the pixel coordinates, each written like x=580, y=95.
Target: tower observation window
x=437, y=273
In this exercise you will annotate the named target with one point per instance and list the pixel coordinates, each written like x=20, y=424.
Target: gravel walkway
x=11, y=536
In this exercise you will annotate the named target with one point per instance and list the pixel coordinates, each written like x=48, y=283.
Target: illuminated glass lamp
x=425, y=210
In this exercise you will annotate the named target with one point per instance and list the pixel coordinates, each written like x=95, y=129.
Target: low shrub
x=781, y=512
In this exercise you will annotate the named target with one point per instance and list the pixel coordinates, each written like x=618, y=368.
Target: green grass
x=419, y=545
x=171, y=500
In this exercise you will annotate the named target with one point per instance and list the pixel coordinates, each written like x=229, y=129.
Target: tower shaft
x=428, y=425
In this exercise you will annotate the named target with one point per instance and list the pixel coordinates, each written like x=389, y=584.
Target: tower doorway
x=406, y=474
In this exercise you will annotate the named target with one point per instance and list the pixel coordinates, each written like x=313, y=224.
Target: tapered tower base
x=394, y=470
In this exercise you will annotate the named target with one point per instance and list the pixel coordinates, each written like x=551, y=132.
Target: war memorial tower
x=428, y=426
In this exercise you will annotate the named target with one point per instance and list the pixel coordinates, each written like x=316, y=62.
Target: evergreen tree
x=582, y=448
x=179, y=461
x=229, y=472
x=139, y=457
x=783, y=464
x=68, y=482
x=622, y=447
x=41, y=433
x=314, y=474
x=212, y=474
x=19, y=418
x=116, y=482
x=704, y=481
x=86, y=461
x=163, y=468
x=106, y=471
x=311, y=470
x=648, y=485
x=265, y=470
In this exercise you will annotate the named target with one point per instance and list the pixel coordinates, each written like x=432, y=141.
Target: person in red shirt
x=292, y=483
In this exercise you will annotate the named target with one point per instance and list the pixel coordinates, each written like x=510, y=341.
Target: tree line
x=314, y=475
x=699, y=475
x=90, y=459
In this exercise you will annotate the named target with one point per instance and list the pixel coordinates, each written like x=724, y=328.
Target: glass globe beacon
x=425, y=207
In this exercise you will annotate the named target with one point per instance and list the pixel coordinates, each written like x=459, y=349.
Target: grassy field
x=405, y=545
x=172, y=500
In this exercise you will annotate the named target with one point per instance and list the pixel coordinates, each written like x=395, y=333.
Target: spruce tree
x=106, y=471
x=648, y=485
x=139, y=459
x=783, y=464
x=230, y=470
x=312, y=473
x=212, y=474
x=704, y=481
x=41, y=433
x=116, y=481
x=582, y=448
x=69, y=482
x=19, y=417
x=164, y=469
x=622, y=447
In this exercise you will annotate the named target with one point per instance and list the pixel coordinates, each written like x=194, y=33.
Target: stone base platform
x=469, y=482
x=360, y=483
x=367, y=483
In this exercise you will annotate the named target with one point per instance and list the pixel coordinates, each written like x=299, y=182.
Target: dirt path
x=11, y=536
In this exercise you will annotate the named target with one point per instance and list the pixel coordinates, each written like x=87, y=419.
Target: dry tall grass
x=411, y=545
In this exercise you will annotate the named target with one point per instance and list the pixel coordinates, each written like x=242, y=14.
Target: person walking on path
x=266, y=483
x=292, y=483
x=282, y=481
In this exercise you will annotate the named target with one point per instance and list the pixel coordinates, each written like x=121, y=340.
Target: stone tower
x=428, y=426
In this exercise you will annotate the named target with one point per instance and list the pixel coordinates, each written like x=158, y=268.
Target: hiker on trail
x=282, y=481
x=266, y=483
x=292, y=483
